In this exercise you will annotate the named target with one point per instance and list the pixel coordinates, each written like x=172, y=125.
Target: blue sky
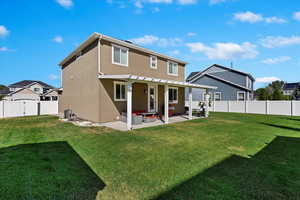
x=259, y=37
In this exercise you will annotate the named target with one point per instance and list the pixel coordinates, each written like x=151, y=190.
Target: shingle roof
x=290, y=86
x=25, y=83
x=227, y=68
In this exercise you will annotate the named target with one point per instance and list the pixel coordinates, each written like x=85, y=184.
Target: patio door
x=152, y=98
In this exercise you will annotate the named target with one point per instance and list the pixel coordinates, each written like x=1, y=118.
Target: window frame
x=113, y=46
x=151, y=62
x=240, y=92
x=168, y=69
x=115, y=91
x=220, y=93
x=175, y=101
x=36, y=89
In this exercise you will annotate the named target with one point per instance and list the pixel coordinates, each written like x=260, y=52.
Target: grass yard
x=227, y=156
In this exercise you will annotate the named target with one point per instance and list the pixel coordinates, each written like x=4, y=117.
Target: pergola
x=130, y=79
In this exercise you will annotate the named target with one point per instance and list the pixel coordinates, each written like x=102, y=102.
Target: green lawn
x=227, y=156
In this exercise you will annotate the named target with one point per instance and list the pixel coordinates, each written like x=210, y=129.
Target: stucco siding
x=138, y=64
x=81, y=86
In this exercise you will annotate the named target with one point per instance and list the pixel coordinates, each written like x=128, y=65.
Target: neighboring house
x=105, y=76
x=232, y=84
x=289, y=88
x=30, y=90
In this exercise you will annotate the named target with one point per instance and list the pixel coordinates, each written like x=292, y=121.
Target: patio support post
x=207, y=103
x=190, y=103
x=166, y=112
x=129, y=105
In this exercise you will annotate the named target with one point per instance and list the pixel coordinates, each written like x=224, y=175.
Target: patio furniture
x=136, y=119
x=149, y=116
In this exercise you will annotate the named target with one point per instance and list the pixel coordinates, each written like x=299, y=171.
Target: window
x=172, y=68
x=218, y=96
x=120, y=55
x=153, y=62
x=173, y=95
x=36, y=89
x=241, y=96
x=120, y=91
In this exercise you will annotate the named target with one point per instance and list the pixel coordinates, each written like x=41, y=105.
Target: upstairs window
x=172, y=68
x=153, y=62
x=119, y=91
x=241, y=96
x=173, y=95
x=119, y=55
x=36, y=89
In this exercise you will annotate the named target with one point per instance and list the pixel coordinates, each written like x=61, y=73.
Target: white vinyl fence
x=291, y=108
x=27, y=108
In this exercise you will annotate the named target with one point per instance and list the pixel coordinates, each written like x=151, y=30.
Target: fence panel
x=280, y=108
x=221, y=106
x=256, y=107
x=296, y=108
x=30, y=108
x=13, y=108
x=49, y=107
x=1, y=109
x=237, y=106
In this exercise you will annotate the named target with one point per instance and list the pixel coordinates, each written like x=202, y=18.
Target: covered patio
x=166, y=86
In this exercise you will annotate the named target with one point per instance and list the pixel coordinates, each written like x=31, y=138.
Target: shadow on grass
x=46, y=171
x=282, y=127
x=273, y=173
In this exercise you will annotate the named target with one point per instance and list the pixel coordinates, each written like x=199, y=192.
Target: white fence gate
x=291, y=108
x=27, y=108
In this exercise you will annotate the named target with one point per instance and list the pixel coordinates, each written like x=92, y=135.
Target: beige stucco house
x=105, y=76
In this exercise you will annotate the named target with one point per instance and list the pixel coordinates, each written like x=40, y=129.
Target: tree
x=262, y=94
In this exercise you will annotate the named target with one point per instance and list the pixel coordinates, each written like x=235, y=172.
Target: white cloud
x=3, y=31
x=275, y=20
x=155, y=10
x=252, y=18
x=65, y=3
x=191, y=34
x=58, y=39
x=279, y=41
x=216, y=1
x=187, y=2
x=297, y=16
x=277, y=60
x=174, y=53
x=154, y=40
x=266, y=79
x=248, y=17
x=53, y=77
x=3, y=49
x=225, y=51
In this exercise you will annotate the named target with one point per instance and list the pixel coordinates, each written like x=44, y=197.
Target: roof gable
x=26, y=83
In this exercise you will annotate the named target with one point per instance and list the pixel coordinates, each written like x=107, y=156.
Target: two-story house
x=31, y=90
x=105, y=76
x=233, y=85
x=289, y=88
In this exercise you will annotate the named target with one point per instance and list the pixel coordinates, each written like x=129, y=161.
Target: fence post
x=292, y=108
x=246, y=106
x=228, y=106
x=267, y=107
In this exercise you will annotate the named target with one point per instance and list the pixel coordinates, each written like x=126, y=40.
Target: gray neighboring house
x=289, y=88
x=232, y=85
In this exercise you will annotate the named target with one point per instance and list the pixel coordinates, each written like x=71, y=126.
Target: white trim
x=115, y=94
x=240, y=92
x=190, y=103
x=174, y=102
x=121, y=48
x=166, y=104
x=172, y=74
x=99, y=55
x=144, y=79
x=220, y=96
x=128, y=92
x=152, y=63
